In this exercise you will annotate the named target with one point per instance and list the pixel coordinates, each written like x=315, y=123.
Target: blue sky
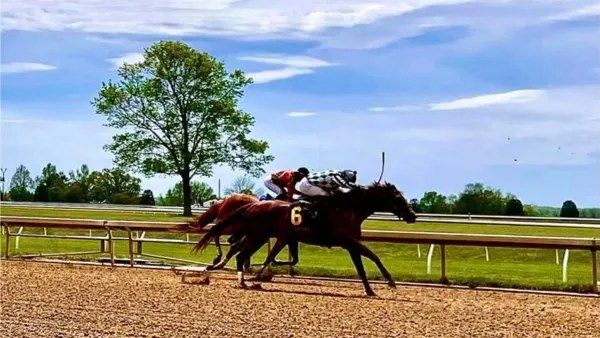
x=501, y=92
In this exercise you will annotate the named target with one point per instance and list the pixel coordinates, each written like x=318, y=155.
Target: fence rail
x=593, y=223
x=434, y=238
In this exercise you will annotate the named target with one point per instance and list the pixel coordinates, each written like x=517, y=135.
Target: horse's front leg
x=233, y=249
x=365, y=251
x=358, y=264
x=293, y=247
x=277, y=247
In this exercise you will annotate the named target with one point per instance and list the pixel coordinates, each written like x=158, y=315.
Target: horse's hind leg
x=219, y=251
x=233, y=249
x=253, y=244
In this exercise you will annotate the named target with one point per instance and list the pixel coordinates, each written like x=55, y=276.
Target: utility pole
x=219, y=190
x=2, y=180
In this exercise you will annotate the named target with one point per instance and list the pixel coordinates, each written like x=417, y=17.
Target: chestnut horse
x=219, y=211
x=338, y=224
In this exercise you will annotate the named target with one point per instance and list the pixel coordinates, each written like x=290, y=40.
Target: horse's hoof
x=263, y=278
x=256, y=287
x=392, y=284
x=242, y=285
x=371, y=294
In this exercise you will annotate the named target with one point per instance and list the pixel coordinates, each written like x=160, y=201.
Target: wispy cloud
x=592, y=10
x=277, y=74
x=294, y=65
x=126, y=58
x=296, y=61
x=394, y=109
x=25, y=67
x=515, y=96
x=300, y=114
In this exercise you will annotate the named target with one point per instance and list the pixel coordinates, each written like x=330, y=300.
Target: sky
x=501, y=92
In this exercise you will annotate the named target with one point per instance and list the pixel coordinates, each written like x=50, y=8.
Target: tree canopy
x=569, y=209
x=21, y=185
x=177, y=114
x=244, y=185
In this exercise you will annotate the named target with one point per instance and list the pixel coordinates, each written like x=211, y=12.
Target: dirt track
x=63, y=300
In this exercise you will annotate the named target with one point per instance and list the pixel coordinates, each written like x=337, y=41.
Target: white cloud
x=187, y=17
x=24, y=67
x=592, y=10
x=277, y=74
x=296, y=61
x=126, y=58
x=295, y=65
x=300, y=114
x=394, y=109
x=515, y=96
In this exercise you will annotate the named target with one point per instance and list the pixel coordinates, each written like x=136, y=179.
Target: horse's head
x=392, y=200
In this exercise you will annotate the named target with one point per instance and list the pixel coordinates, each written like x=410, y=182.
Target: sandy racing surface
x=41, y=299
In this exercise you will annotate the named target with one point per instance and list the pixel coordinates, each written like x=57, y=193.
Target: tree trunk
x=187, y=194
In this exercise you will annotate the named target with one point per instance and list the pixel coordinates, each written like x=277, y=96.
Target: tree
x=530, y=210
x=434, y=203
x=177, y=112
x=114, y=186
x=414, y=203
x=244, y=185
x=480, y=200
x=569, y=209
x=514, y=207
x=51, y=185
x=201, y=192
x=147, y=198
x=21, y=185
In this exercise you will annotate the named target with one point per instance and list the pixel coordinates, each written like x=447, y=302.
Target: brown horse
x=220, y=211
x=338, y=224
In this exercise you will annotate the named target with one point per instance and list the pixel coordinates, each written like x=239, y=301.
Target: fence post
x=565, y=265
x=130, y=246
x=429, y=256
x=111, y=247
x=139, y=243
x=443, y=279
x=7, y=244
x=18, y=238
x=594, y=272
x=487, y=254
x=419, y=250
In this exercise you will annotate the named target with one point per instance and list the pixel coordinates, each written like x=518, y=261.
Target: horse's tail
x=208, y=216
x=219, y=227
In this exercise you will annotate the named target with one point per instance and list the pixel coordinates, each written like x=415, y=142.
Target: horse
x=219, y=211
x=338, y=224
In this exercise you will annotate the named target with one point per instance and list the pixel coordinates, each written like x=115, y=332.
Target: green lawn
x=525, y=268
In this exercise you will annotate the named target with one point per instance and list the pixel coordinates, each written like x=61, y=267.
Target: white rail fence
x=135, y=241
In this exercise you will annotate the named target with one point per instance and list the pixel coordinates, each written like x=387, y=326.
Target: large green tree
x=434, y=203
x=21, y=185
x=114, y=186
x=478, y=199
x=514, y=207
x=569, y=209
x=200, y=193
x=244, y=185
x=177, y=114
x=51, y=185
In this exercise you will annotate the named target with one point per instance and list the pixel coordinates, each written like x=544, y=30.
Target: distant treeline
x=477, y=199
x=116, y=186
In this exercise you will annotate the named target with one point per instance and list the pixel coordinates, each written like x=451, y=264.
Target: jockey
x=324, y=183
x=283, y=183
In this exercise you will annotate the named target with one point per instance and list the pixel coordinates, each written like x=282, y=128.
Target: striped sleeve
x=340, y=180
